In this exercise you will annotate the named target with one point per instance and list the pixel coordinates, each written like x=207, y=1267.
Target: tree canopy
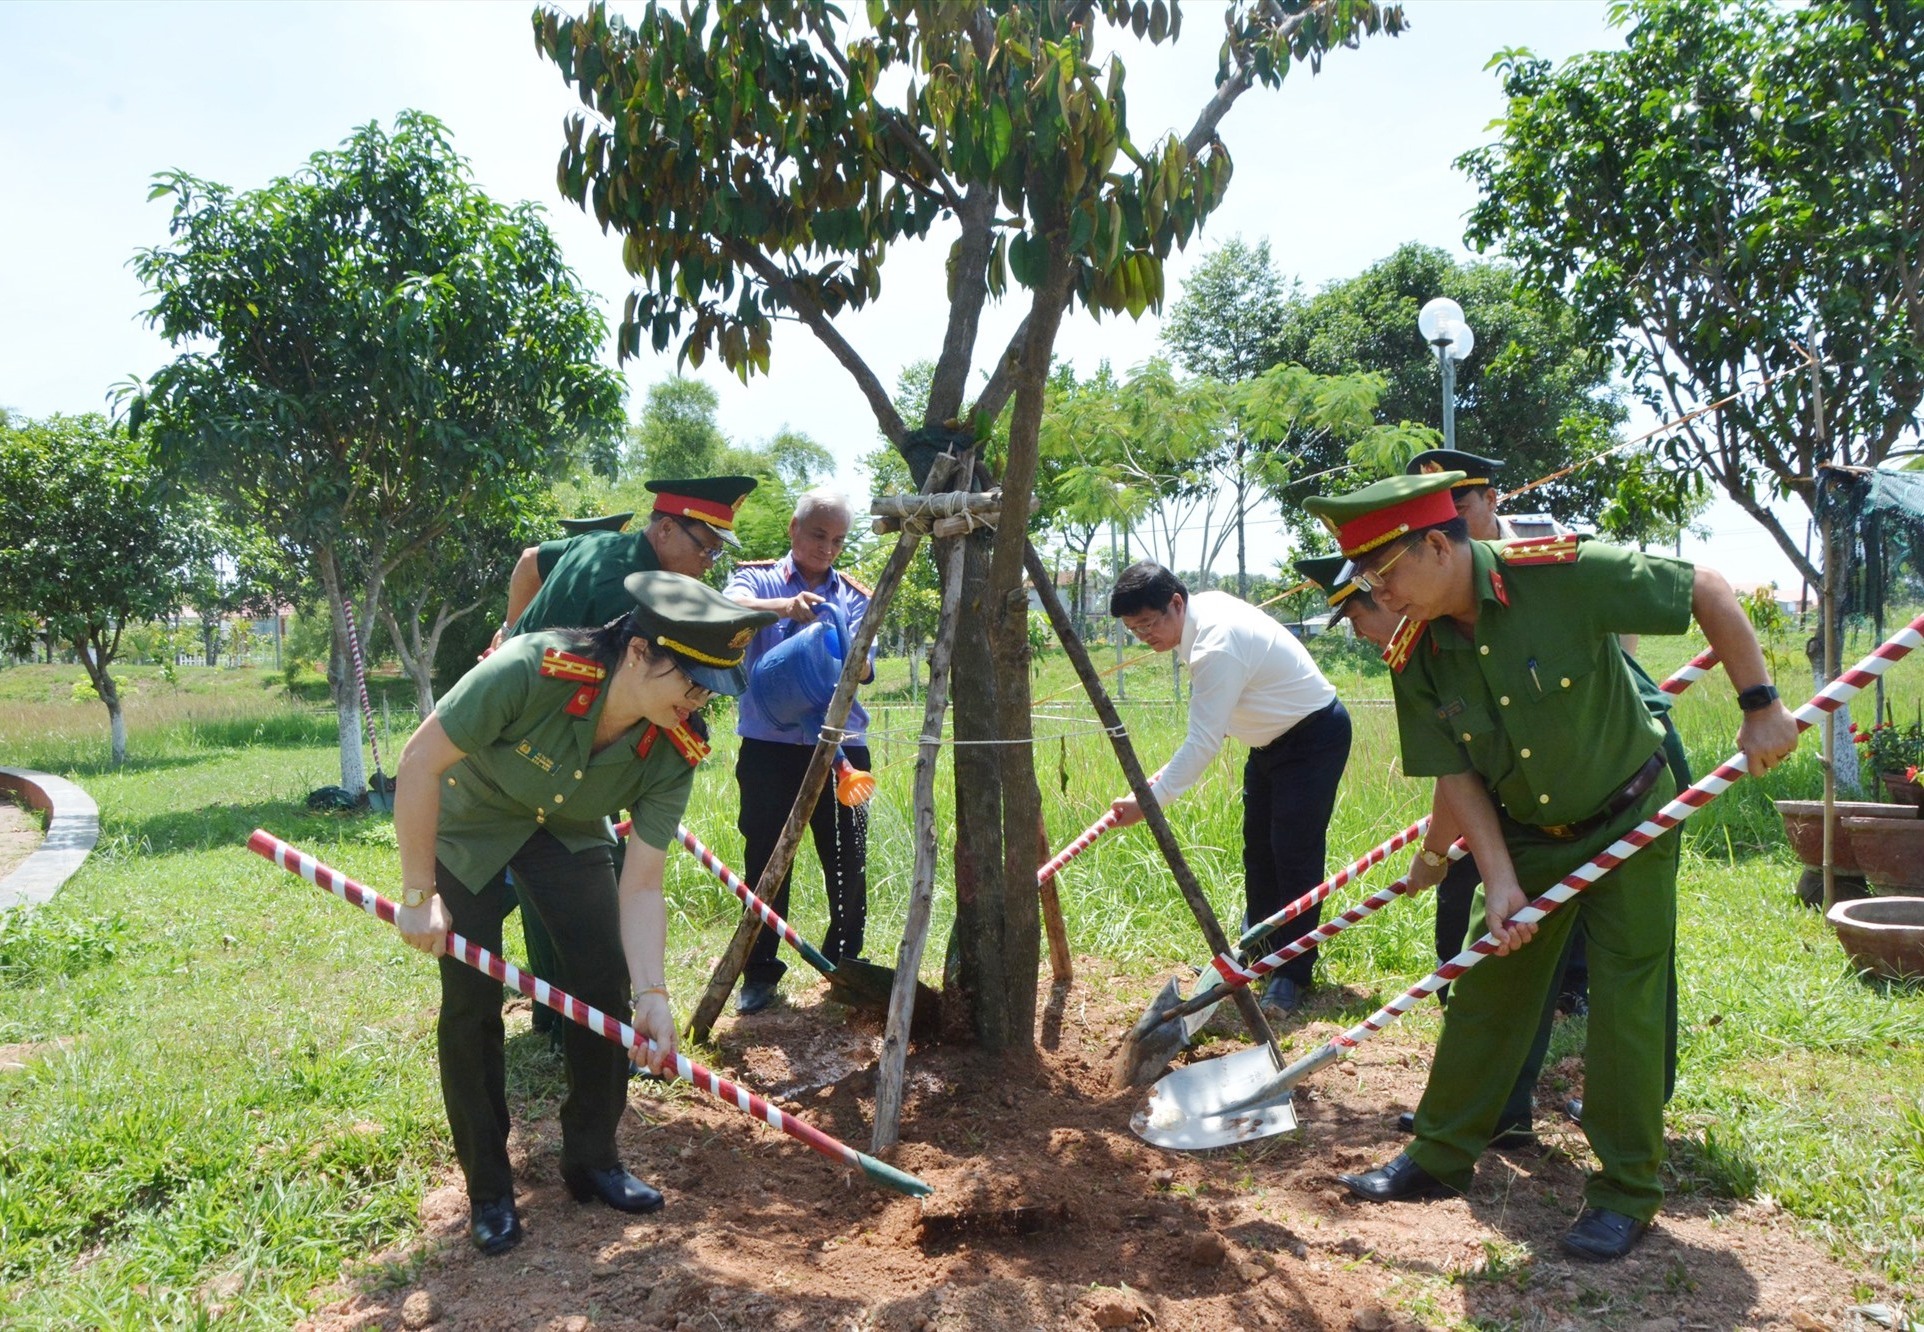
x=91, y=541
x=370, y=348
x=760, y=157
x=1741, y=182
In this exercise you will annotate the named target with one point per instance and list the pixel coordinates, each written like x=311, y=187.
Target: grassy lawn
x=245, y=1099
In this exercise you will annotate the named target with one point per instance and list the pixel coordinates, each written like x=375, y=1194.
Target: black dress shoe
x=494, y=1226
x=614, y=1186
x=755, y=996
x=1400, y=1179
x=1603, y=1236
x=1406, y=1122
x=1574, y=1108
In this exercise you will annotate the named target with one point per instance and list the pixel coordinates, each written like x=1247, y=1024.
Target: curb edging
x=73, y=827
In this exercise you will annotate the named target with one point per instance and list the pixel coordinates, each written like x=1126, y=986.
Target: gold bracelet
x=661, y=990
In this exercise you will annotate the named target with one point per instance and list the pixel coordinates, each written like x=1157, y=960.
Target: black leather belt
x=1624, y=798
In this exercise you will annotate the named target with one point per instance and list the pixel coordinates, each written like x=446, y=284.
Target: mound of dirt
x=1048, y=1213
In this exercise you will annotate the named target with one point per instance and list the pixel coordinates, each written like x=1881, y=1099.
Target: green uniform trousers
x=1630, y=917
x=573, y=894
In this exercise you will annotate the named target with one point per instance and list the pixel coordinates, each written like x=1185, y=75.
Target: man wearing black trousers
x=1249, y=678
x=775, y=751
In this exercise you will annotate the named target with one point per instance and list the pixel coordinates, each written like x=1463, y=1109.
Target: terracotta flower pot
x=1883, y=935
x=1889, y=852
x=1804, y=826
x=1901, y=790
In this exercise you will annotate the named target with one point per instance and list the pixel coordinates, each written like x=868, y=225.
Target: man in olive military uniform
x=1510, y=691
x=577, y=582
x=1476, y=502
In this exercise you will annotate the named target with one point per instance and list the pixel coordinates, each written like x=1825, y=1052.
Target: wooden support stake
x=1246, y=1005
x=728, y=968
x=1062, y=968
x=908, y=957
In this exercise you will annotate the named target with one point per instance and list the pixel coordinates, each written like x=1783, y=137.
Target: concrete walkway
x=73, y=826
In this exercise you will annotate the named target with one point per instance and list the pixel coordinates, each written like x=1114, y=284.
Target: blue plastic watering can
x=795, y=679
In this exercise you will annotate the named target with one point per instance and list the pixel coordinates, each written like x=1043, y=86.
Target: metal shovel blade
x=1222, y=1102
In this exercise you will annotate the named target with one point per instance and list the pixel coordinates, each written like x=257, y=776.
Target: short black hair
x=1145, y=585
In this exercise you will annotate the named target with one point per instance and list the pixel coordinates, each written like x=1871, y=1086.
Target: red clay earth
x=1048, y=1213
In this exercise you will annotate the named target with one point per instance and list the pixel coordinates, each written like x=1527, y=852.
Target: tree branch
x=831, y=337
x=969, y=281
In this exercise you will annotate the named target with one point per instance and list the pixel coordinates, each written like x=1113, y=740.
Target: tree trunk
x=341, y=679
x=94, y=659
x=1825, y=665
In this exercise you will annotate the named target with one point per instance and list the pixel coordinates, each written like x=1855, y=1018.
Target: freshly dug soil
x=1048, y=1213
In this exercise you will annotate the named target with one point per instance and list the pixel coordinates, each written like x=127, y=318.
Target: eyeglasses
x=694, y=693
x=1369, y=580
x=709, y=554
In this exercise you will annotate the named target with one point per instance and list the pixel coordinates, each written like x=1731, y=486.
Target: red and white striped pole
x=1082, y=843
x=1693, y=798
x=295, y=861
x=1231, y=971
x=360, y=680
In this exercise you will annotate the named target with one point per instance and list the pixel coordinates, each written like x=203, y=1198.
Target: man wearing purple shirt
x=774, y=757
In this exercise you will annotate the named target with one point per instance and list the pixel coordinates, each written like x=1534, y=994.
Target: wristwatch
x=414, y=897
x=1757, y=697
x=1434, y=859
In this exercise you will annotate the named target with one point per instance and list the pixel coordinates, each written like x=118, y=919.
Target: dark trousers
x=1289, y=793
x=770, y=776
x=573, y=895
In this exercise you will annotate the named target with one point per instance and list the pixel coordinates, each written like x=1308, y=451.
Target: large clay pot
x=1888, y=852
x=1883, y=935
x=1902, y=790
x=1804, y=826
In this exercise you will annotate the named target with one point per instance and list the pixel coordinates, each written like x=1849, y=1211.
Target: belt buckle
x=1563, y=832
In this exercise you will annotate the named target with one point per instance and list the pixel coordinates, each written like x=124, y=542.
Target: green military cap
x=613, y=522
x=1384, y=510
x=1332, y=573
x=1476, y=471
x=706, y=632
x=706, y=499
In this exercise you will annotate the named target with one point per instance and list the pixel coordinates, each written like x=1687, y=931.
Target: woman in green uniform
x=521, y=766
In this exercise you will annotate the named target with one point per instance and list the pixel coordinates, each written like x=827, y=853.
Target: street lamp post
x=1443, y=326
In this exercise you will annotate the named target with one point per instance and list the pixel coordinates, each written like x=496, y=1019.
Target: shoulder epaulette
x=689, y=745
x=1540, y=550
x=754, y=564
x=1396, y=654
x=859, y=586
x=559, y=665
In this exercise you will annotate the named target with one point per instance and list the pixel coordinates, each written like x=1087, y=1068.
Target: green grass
x=248, y=1102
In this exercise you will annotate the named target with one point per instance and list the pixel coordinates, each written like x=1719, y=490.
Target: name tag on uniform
x=534, y=756
x=1450, y=709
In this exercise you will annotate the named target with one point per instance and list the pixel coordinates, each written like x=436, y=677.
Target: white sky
x=1336, y=170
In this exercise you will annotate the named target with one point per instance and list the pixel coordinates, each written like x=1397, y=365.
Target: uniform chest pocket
x=1558, y=672
x=1475, y=728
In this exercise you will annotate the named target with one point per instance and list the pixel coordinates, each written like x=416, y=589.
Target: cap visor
x=721, y=532
x=730, y=680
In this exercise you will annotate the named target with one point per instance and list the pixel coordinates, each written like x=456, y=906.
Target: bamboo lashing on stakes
x=295, y=861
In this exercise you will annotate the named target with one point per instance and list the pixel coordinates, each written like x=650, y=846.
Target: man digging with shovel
x=1511, y=691
x=1249, y=678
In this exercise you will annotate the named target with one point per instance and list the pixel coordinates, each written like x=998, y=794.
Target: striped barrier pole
x=1082, y=842
x=1693, y=798
x=295, y=861
x=1231, y=971
x=360, y=680
x=733, y=883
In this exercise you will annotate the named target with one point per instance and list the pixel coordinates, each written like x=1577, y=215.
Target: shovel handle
x=1688, y=801
x=294, y=861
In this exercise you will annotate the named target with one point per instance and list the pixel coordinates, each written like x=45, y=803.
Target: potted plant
x=1896, y=754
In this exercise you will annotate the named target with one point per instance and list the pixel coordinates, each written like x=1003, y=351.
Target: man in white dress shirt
x=1251, y=679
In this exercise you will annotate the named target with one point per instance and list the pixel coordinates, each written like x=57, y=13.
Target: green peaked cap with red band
x=706, y=499
x=1384, y=510
x=1329, y=572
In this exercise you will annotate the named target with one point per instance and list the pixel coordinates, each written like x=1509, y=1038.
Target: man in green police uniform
x=1512, y=693
x=577, y=582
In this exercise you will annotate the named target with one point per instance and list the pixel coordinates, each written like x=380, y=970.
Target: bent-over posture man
x=1513, y=694
x=1249, y=678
